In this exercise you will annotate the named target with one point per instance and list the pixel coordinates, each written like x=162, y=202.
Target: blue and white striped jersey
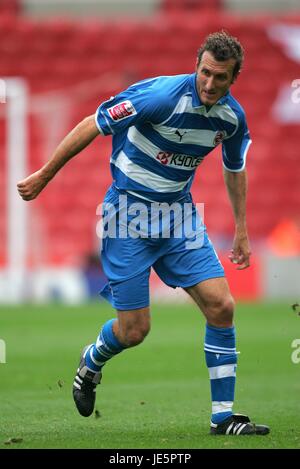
x=162, y=132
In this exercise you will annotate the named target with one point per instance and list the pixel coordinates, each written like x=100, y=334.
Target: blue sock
x=221, y=360
x=106, y=347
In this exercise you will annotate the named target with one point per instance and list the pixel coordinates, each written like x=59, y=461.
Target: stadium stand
x=60, y=54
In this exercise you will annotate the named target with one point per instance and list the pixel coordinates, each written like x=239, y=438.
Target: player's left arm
x=236, y=184
x=234, y=151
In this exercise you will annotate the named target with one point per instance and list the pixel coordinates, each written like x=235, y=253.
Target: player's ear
x=234, y=78
x=197, y=64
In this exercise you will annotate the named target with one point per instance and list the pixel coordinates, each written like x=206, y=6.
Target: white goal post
x=27, y=273
x=15, y=110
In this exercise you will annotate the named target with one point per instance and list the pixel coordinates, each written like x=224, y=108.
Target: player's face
x=213, y=78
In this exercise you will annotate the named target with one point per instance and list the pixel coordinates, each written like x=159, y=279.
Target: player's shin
x=106, y=347
x=221, y=360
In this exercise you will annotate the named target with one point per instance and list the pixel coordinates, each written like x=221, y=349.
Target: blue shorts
x=180, y=261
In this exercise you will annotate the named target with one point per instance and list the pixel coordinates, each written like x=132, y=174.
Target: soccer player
x=162, y=129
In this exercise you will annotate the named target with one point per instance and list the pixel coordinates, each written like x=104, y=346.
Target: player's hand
x=30, y=187
x=240, y=252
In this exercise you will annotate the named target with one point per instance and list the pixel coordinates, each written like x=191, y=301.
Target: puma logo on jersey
x=180, y=135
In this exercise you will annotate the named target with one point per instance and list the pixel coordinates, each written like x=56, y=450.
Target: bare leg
x=132, y=326
x=214, y=300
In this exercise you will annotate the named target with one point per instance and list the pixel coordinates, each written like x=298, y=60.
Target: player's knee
x=227, y=309
x=136, y=335
x=221, y=314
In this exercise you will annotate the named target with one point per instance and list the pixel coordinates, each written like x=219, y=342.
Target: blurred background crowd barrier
x=60, y=59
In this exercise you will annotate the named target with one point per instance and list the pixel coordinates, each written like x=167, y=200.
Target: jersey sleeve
x=139, y=103
x=235, y=148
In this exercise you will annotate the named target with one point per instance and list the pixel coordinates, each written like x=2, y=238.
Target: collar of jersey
x=196, y=101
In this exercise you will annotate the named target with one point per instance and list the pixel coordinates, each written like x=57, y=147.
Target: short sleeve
x=235, y=148
x=139, y=103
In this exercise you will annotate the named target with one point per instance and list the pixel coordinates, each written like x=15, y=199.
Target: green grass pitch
x=156, y=395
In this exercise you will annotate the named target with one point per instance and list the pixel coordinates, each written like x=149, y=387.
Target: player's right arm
x=71, y=145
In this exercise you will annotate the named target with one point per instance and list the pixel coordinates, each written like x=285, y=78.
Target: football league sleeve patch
x=124, y=110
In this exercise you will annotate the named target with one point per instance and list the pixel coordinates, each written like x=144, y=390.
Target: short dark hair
x=223, y=46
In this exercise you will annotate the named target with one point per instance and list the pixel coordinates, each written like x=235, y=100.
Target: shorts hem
x=197, y=280
x=131, y=307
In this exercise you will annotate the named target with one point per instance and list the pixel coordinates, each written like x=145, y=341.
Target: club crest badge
x=219, y=137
